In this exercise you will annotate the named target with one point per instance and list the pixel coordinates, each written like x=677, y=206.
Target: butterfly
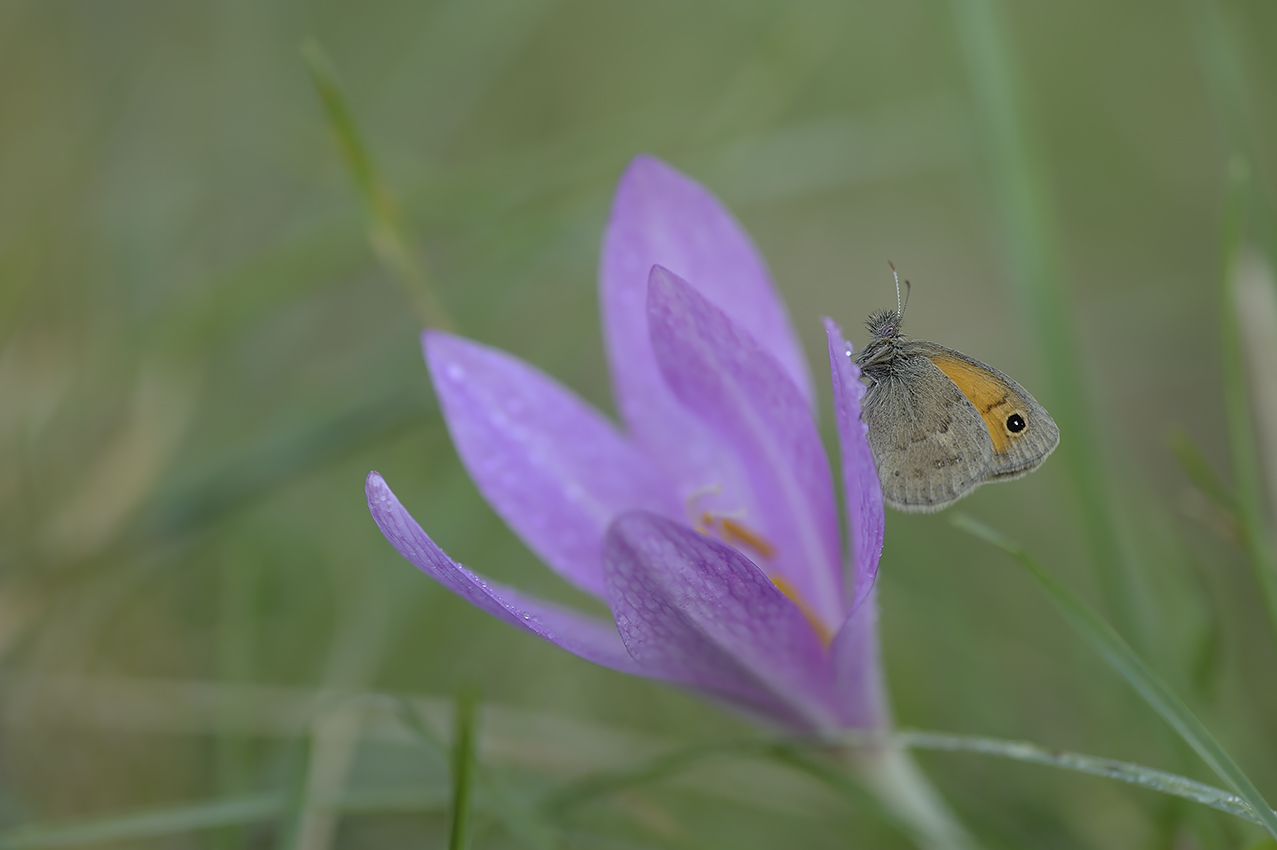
x=942, y=423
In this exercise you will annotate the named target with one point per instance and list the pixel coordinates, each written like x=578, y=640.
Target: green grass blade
x=520, y=820
x=463, y=769
x=293, y=808
x=215, y=814
x=273, y=460
x=586, y=789
x=1223, y=68
x=410, y=717
x=238, y=578
x=1241, y=434
x=1030, y=235
x=1119, y=655
x=253, y=287
x=385, y=224
x=1198, y=469
x=1134, y=774
x=144, y=825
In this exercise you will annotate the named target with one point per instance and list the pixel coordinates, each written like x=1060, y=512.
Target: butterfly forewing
x=918, y=421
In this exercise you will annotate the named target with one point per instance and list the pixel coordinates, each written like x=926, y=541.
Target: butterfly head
x=884, y=330
x=884, y=325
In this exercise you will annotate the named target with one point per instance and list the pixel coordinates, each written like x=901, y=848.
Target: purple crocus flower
x=708, y=526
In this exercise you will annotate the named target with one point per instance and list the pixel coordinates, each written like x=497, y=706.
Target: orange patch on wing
x=991, y=397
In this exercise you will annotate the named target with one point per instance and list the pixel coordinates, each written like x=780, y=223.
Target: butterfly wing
x=1021, y=433
x=927, y=439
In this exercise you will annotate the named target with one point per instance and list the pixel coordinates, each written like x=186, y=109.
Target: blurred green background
x=201, y=358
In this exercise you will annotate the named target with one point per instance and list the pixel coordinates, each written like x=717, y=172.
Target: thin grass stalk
x=463, y=769
x=293, y=812
x=1118, y=653
x=386, y=232
x=1029, y=232
x=236, y=641
x=522, y=821
x=1241, y=435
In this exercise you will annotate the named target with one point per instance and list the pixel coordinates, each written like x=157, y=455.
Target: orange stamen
x=815, y=622
x=735, y=532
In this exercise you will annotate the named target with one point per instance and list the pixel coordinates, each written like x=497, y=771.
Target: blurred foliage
x=201, y=357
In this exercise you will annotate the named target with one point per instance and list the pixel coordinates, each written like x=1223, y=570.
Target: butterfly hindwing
x=919, y=424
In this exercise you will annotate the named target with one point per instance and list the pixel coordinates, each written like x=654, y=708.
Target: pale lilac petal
x=695, y=611
x=717, y=370
x=582, y=635
x=659, y=216
x=555, y=470
x=859, y=690
x=866, y=525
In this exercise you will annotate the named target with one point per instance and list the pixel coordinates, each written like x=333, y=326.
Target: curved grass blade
x=385, y=224
x=1134, y=774
x=1119, y=655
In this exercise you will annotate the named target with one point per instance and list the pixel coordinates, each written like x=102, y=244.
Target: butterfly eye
x=1015, y=423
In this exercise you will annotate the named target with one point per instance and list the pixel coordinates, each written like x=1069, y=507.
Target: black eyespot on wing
x=1015, y=423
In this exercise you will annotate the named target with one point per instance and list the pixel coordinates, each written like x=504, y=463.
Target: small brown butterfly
x=942, y=423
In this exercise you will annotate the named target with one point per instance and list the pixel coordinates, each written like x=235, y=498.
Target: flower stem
x=891, y=774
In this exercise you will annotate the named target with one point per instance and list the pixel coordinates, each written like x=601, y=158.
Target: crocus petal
x=582, y=635
x=721, y=373
x=859, y=690
x=659, y=216
x=695, y=611
x=866, y=525
x=555, y=470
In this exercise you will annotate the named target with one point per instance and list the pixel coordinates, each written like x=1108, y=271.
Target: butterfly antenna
x=908, y=289
x=900, y=310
